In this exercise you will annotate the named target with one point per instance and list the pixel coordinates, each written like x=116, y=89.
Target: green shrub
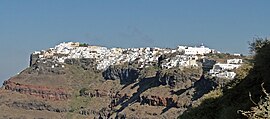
x=82, y=91
x=83, y=45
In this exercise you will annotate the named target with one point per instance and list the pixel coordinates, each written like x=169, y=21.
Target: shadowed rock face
x=33, y=59
x=127, y=75
x=38, y=91
x=153, y=100
x=85, y=63
x=184, y=87
x=47, y=66
x=178, y=78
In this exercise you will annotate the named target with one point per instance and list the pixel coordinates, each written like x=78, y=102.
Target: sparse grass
x=243, y=71
x=80, y=78
x=79, y=102
x=213, y=94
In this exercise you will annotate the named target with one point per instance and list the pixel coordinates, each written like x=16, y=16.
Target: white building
x=220, y=67
x=234, y=61
x=202, y=50
x=237, y=54
x=224, y=70
x=226, y=74
x=197, y=50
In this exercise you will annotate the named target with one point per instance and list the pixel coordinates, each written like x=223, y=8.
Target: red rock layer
x=38, y=91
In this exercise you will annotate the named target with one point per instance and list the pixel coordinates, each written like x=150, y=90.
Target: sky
x=30, y=25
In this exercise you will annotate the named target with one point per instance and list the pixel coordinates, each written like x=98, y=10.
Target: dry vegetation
x=225, y=103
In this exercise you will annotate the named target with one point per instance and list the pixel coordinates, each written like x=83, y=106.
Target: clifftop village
x=144, y=57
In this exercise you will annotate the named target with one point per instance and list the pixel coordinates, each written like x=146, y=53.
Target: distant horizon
x=28, y=26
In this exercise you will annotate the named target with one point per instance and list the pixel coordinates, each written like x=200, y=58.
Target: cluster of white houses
x=225, y=70
x=180, y=60
x=144, y=56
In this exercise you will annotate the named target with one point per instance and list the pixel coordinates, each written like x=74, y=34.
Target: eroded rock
x=38, y=91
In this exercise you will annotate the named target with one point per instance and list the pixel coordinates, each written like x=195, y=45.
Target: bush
x=83, y=45
x=243, y=71
x=82, y=91
x=261, y=110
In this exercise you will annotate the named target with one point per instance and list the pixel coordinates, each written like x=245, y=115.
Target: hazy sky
x=29, y=25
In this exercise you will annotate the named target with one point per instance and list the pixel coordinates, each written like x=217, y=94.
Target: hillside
x=75, y=80
x=245, y=97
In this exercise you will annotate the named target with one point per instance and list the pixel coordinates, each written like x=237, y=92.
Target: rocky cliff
x=126, y=75
x=65, y=86
x=38, y=91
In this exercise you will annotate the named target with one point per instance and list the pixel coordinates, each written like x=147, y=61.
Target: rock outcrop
x=36, y=106
x=38, y=91
x=101, y=114
x=179, y=78
x=127, y=75
x=33, y=59
x=47, y=66
x=85, y=63
x=153, y=100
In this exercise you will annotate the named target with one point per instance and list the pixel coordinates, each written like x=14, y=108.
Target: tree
x=257, y=44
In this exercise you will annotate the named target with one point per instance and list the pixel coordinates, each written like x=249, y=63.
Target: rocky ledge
x=38, y=91
x=36, y=106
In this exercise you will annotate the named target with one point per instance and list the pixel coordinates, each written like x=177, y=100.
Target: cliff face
x=38, y=91
x=46, y=66
x=85, y=63
x=77, y=88
x=176, y=77
x=168, y=89
x=120, y=91
x=126, y=75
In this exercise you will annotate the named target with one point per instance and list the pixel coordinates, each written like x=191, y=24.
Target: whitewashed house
x=197, y=50
x=234, y=61
x=202, y=50
x=226, y=74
